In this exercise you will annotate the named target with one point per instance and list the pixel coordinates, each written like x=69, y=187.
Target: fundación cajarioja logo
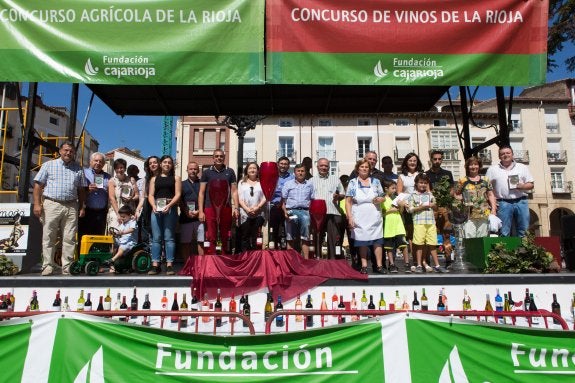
x=410, y=69
x=122, y=66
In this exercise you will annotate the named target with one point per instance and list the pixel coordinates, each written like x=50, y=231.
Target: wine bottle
x=246, y=310
x=323, y=307
x=382, y=303
x=353, y=306
x=279, y=307
x=299, y=306
x=444, y=297
x=511, y=302
x=88, y=304
x=134, y=303
x=404, y=304
x=118, y=302
x=371, y=305
x=205, y=307
x=175, y=307
x=311, y=247
x=440, y=304
x=12, y=300
x=34, y=304
x=146, y=306
x=424, y=302
x=108, y=301
x=466, y=301
x=488, y=306
x=397, y=301
x=57, y=305
x=242, y=301
x=341, y=306
x=506, y=307
x=526, y=301
x=259, y=240
x=233, y=308
x=9, y=305
x=363, y=300
x=123, y=307
x=268, y=308
x=498, y=305
x=218, y=246
x=100, y=304
x=415, y=305
x=65, y=305
x=218, y=308
x=533, y=308
x=229, y=245
x=271, y=243
x=309, y=306
x=573, y=307
x=81, y=302
x=184, y=307
x=3, y=305
x=164, y=301
x=334, y=303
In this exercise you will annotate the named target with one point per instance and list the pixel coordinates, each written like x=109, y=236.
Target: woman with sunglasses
x=252, y=200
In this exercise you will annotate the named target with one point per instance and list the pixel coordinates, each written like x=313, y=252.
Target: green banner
x=133, y=42
x=398, y=348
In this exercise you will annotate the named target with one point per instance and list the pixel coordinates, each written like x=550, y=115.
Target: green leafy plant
x=442, y=192
x=527, y=258
x=7, y=267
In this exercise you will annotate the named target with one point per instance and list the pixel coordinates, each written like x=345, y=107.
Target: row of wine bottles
x=365, y=302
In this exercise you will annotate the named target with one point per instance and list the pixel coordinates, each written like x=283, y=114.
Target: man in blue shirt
x=94, y=220
x=296, y=197
x=277, y=219
x=59, y=196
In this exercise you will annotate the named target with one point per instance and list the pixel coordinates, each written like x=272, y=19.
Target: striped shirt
x=60, y=180
x=324, y=188
x=296, y=194
x=422, y=217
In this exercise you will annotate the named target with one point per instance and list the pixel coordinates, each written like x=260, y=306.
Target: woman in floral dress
x=477, y=196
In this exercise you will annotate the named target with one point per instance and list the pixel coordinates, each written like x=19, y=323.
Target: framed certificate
x=126, y=191
x=99, y=180
x=513, y=180
x=161, y=203
x=191, y=205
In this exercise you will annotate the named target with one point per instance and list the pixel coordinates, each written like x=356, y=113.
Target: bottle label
x=80, y=307
x=87, y=308
x=107, y=306
x=416, y=307
x=271, y=245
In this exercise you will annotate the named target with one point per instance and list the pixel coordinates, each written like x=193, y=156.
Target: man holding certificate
x=94, y=220
x=511, y=181
x=191, y=229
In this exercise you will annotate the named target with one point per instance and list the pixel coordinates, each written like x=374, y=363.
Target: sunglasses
x=251, y=191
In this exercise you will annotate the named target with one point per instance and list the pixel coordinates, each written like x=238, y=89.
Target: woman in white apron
x=363, y=198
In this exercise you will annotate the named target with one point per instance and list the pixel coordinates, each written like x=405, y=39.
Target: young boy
x=126, y=237
x=393, y=231
x=422, y=204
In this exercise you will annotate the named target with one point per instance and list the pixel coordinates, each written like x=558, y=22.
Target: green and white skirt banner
x=148, y=42
x=71, y=347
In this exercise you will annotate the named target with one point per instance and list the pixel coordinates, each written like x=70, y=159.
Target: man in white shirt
x=511, y=181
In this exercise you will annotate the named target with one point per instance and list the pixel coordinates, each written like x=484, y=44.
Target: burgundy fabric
x=212, y=227
x=283, y=272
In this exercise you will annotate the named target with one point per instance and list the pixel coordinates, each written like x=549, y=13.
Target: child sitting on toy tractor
x=125, y=235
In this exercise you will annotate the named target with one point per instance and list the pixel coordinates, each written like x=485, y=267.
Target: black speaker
x=568, y=240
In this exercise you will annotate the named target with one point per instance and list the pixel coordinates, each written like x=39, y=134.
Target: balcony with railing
x=515, y=127
x=250, y=156
x=521, y=156
x=326, y=153
x=561, y=187
x=485, y=156
x=557, y=156
x=448, y=154
x=552, y=128
x=289, y=153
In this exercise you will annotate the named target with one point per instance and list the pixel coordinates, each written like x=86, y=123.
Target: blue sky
x=145, y=133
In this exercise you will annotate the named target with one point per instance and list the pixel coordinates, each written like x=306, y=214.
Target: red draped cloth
x=283, y=272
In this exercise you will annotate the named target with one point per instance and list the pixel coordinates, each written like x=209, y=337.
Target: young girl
x=394, y=231
x=252, y=200
x=126, y=236
x=421, y=204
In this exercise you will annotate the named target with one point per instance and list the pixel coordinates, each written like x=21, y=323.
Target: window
x=557, y=181
x=197, y=140
x=453, y=167
x=325, y=148
x=402, y=122
x=54, y=120
x=223, y=140
x=285, y=123
x=210, y=140
x=250, y=154
x=363, y=146
x=402, y=148
x=515, y=125
x=285, y=145
x=443, y=139
x=324, y=122
x=363, y=122
x=551, y=121
x=439, y=122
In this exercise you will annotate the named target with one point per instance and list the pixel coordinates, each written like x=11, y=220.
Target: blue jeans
x=513, y=211
x=164, y=230
x=299, y=226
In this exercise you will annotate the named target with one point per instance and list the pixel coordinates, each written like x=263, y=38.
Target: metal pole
x=71, y=128
x=28, y=145
x=503, y=127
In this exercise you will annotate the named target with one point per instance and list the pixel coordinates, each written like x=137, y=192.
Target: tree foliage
x=561, y=32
